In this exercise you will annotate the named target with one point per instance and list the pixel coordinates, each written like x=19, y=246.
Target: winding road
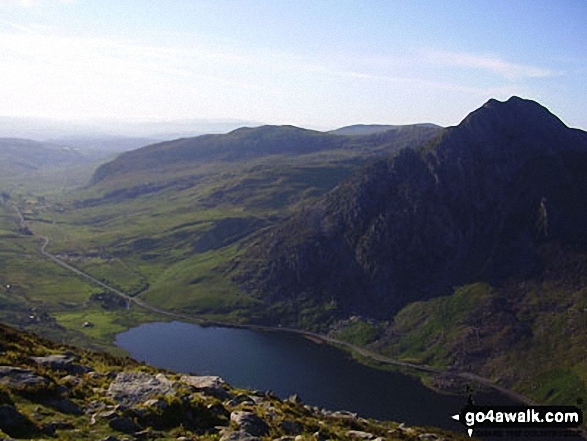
x=312, y=335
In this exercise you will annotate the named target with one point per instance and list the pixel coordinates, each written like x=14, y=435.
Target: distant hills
x=50, y=128
x=28, y=163
x=26, y=153
x=246, y=144
x=474, y=204
x=165, y=221
x=468, y=252
x=103, y=145
x=370, y=129
x=462, y=247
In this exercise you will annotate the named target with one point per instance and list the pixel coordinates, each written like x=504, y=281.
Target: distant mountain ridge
x=249, y=143
x=370, y=129
x=49, y=128
x=473, y=204
x=105, y=145
x=29, y=163
x=34, y=153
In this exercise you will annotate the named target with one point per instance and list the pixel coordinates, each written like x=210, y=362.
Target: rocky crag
x=473, y=205
x=50, y=391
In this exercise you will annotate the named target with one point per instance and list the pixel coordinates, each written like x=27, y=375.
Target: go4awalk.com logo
x=547, y=419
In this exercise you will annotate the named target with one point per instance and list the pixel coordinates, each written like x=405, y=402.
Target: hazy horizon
x=319, y=65
x=44, y=129
x=48, y=129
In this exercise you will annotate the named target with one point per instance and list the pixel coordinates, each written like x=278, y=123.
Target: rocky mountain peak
x=506, y=133
x=513, y=118
x=473, y=205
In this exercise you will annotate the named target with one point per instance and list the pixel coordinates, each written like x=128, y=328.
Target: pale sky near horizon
x=311, y=63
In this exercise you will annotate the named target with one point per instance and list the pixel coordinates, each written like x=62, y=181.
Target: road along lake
x=290, y=364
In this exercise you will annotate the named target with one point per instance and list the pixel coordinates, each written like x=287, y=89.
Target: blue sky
x=315, y=63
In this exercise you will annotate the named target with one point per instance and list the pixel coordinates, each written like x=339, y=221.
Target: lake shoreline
x=374, y=356
x=363, y=352
x=289, y=363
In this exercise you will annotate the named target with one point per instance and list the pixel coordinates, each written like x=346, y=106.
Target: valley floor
x=362, y=354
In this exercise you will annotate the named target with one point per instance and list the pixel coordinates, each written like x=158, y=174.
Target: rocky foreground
x=50, y=391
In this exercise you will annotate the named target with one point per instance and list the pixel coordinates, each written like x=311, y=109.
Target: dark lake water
x=286, y=364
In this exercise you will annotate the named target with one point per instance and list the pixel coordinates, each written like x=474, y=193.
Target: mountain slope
x=473, y=205
x=43, y=166
x=370, y=129
x=52, y=391
x=29, y=154
x=247, y=144
x=163, y=222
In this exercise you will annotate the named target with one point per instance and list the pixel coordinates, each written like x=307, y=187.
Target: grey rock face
x=249, y=423
x=359, y=434
x=208, y=384
x=136, y=387
x=463, y=209
x=14, y=377
x=341, y=414
x=54, y=361
x=203, y=381
x=61, y=362
x=239, y=435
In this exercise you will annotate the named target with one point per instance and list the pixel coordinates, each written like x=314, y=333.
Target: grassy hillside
x=278, y=144
x=44, y=167
x=66, y=393
x=195, y=225
x=167, y=235
x=528, y=334
x=494, y=205
x=165, y=222
x=370, y=129
x=37, y=295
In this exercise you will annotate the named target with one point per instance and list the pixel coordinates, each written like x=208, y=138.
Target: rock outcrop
x=121, y=399
x=135, y=387
x=473, y=205
x=21, y=379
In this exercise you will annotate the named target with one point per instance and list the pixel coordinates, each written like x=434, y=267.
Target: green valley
x=435, y=247
x=168, y=229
